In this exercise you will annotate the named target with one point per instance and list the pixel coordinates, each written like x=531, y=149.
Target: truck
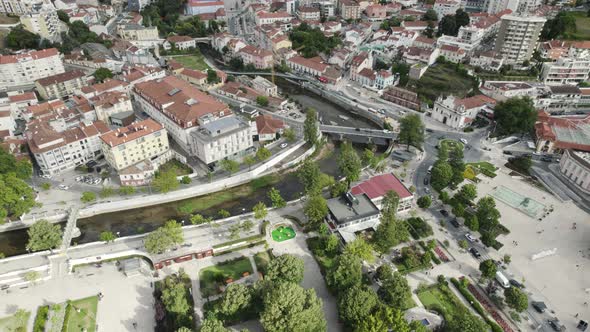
x=502, y=280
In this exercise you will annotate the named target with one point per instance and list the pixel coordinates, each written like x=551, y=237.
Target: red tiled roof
x=22, y=97
x=313, y=63
x=4, y=59
x=379, y=185
x=132, y=132
x=267, y=124
x=60, y=78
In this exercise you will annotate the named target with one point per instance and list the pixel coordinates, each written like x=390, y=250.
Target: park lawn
x=11, y=323
x=212, y=277
x=451, y=144
x=409, y=303
x=194, y=61
x=582, y=27
x=86, y=318
x=484, y=165
x=179, y=168
x=446, y=303
x=442, y=79
x=262, y=259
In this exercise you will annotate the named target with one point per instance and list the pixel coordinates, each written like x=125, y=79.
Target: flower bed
x=441, y=254
x=484, y=302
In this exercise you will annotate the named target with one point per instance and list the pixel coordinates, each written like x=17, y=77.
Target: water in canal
x=143, y=220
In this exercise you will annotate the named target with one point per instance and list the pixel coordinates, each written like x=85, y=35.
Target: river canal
x=236, y=200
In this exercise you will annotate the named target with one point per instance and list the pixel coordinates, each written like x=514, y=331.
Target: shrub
x=424, y=202
x=468, y=129
x=487, y=173
x=41, y=319
x=419, y=228
x=186, y=180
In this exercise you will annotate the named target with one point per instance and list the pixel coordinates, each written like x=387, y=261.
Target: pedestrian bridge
x=360, y=135
x=265, y=73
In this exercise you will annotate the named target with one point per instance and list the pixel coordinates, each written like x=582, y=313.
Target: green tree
x=338, y=189
x=32, y=276
x=212, y=324
x=212, y=76
x=101, y=74
x=236, y=299
x=461, y=18
x=488, y=269
x=515, y=116
x=361, y=249
x=441, y=175
x=260, y=210
x=467, y=193
x=289, y=135
x=356, y=305
x=229, y=165
x=488, y=217
x=471, y=222
x=349, y=163
x=45, y=185
x=263, y=153
x=424, y=202
x=223, y=214
x=19, y=38
x=309, y=175
x=507, y=259
x=430, y=15
x=389, y=233
x=447, y=26
x=456, y=162
x=247, y=225
x=390, y=203
x=395, y=290
x=464, y=321
x=289, y=307
x=197, y=219
x=316, y=209
x=331, y=243
x=174, y=297
x=63, y=16
x=43, y=235
x=107, y=236
x=411, y=131
x=186, y=180
x=368, y=157
x=384, y=318
x=262, y=101
x=522, y=163
x=285, y=268
x=312, y=41
x=310, y=127
x=126, y=190
x=106, y=192
x=164, y=238
x=275, y=197
x=249, y=161
x=165, y=181
x=346, y=273
x=88, y=196
x=563, y=23
x=429, y=31
x=516, y=299
x=384, y=271
x=17, y=196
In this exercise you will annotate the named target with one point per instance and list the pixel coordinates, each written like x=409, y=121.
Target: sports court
x=524, y=204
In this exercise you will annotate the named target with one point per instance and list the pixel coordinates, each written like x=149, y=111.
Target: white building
x=228, y=137
x=109, y=103
x=20, y=7
x=265, y=86
x=575, y=166
x=517, y=37
x=180, y=42
x=27, y=67
x=264, y=17
x=179, y=106
x=502, y=90
x=43, y=21
x=446, y=7
x=459, y=113
x=566, y=71
x=61, y=85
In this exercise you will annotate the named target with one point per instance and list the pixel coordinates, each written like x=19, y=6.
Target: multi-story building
x=452, y=53
x=459, y=113
x=312, y=66
x=554, y=49
x=137, y=33
x=264, y=17
x=21, y=7
x=502, y=90
x=562, y=99
x=376, y=12
x=27, y=67
x=349, y=9
x=517, y=37
x=43, y=21
x=575, y=166
x=140, y=141
x=198, y=7
x=57, y=151
x=402, y=97
x=446, y=7
x=308, y=13
x=61, y=85
x=16, y=102
x=384, y=79
x=179, y=42
x=137, y=5
x=179, y=106
x=259, y=58
x=566, y=71
x=110, y=103
x=350, y=214
x=265, y=86
x=555, y=134
x=228, y=137
x=487, y=61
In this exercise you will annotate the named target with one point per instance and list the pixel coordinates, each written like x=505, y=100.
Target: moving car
x=63, y=187
x=46, y=176
x=470, y=237
x=539, y=306
x=382, y=111
x=464, y=141
x=283, y=145
x=474, y=252
x=455, y=223
x=426, y=181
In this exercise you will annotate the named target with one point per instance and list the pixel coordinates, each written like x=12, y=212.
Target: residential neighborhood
x=317, y=165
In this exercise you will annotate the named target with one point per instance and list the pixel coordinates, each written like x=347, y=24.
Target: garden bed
x=81, y=315
x=283, y=233
x=451, y=144
x=213, y=278
x=179, y=168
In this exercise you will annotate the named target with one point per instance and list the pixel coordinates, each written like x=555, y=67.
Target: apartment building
x=20, y=7
x=127, y=146
x=229, y=137
x=308, y=13
x=566, y=71
x=312, y=66
x=43, y=21
x=57, y=151
x=179, y=106
x=349, y=9
x=16, y=102
x=264, y=17
x=265, y=86
x=562, y=99
x=446, y=7
x=110, y=103
x=136, y=32
x=179, y=42
x=517, y=37
x=575, y=166
x=137, y=5
x=259, y=58
x=25, y=68
x=61, y=85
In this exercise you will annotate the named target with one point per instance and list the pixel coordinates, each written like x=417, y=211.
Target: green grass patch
x=443, y=79
x=213, y=277
x=451, y=144
x=282, y=233
x=484, y=165
x=263, y=182
x=194, y=61
x=262, y=259
x=440, y=299
x=13, y=323
x=582, y=27
x=81, y=315
x=409, y=303
x=194, y=205
x=252, y=238
x=41, y=318
x=179, y=168
x=325, y=260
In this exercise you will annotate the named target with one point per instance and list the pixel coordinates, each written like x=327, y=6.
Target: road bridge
x=359, y=135
x=264, y=73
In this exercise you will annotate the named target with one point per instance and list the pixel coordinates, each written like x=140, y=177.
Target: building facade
x=566, y=71
x=43, y=21
x=517, y=38
x=27, y=67
x=575, y=166
x=229, y=137
x=61, y=85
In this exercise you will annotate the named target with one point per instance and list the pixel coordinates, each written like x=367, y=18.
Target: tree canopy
x=165, y=181
x=310, y=126
x=441, y=175
x=515, y=116
x=260, y=210
x=356, y=305
x=275, y=197
x=516, y=299
x=312, y=41
x=345, y=274
x=361, y=249
x=310, y=176
x=19, y=38
x=44, y=235
x=16, y=196
x=395, y=290
x=449, y=25
x=390, y=233
x=237, y=298
x=164, y=238
x=562, y=25
x=316, y=208
x=101, y=74
x=349, y=163
x=285, y=268
x=488, y=269
x=411, y=131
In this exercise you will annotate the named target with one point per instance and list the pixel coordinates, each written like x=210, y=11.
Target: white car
x=464, y=141
x=470, y=237
x=283, y=145
x=46, y=176
x=63, y=187
x=79, y=178
x=97, y=181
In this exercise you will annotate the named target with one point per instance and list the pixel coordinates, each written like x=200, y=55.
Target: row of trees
x=449, y=168
x=16, y=197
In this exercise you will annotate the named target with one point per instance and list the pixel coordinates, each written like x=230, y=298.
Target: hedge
x=244, y=239
x=41, y=319
x=247, y=245
x=487, y=173
x=64, y=327
x=476, y=305
x=263, y=227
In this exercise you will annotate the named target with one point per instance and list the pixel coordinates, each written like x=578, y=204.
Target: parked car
x=63, y=187
x=556, y=324
x=79, y=178
x=46, y=176
x=97, y=181
x=455, y=223
x=382, y=111
x=470, y=237
x=426, y=181
x=464, y=141
x=445, y=213
x=474, y=252
x=539, y=306
x=429, y=130
x=516, y=284
x=283, y=145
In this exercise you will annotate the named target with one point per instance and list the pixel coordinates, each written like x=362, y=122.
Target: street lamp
x=118, y=234
x=182, y=222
